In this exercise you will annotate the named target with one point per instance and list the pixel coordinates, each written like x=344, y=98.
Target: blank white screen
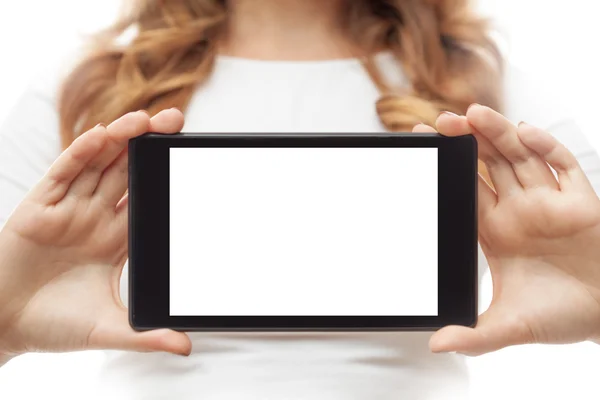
x=303, y=231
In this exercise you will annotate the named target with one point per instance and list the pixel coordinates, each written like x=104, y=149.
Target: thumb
x=117, y=334
x=164, y=340
x=489, y=335
x=461, y=339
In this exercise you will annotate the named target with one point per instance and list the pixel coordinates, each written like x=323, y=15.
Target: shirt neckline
x=338, y=62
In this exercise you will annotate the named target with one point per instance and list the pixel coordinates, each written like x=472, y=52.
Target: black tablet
x=302, y=232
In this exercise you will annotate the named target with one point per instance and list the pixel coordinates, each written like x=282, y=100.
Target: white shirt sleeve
x=29, y=142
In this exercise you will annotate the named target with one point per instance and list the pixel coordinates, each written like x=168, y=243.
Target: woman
x=61, y=250
x=285, y=66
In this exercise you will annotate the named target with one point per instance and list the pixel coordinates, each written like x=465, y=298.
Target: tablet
x=302, y=232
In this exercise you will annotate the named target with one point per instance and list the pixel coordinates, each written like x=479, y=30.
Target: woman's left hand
x=540, y=235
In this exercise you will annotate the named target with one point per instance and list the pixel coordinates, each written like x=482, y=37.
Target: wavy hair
x=442, y=46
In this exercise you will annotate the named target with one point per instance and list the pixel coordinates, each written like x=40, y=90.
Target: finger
x=472, y=341
x=487, y=201
x=487, y=198
x=422, y=128
x=167, y=121
x=121, y=221
x=164, y=340
x=463, y=340
x=113, y=182
x=530, y=169
x=569, y=172
x=500, y=171
x=129, y=125
x=119, y=132
x=117, y=334
x=123, y=203
x=67, y=167
x=496, y=329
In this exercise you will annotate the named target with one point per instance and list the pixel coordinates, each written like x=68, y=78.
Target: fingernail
x=100, y=126
x=175, y=108
x=522, y=123
x=473, y=105
x=145, y=112
x=450, y=113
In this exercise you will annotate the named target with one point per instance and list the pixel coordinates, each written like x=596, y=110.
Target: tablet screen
x=303, y=231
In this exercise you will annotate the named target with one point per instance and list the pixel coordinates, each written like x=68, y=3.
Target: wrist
x=595, y=337
x=4, y=359
x=5, y=354
x=14, y=291
x=17, y=286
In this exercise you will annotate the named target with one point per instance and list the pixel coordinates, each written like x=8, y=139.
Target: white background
x=303, y=231
x=555, y=40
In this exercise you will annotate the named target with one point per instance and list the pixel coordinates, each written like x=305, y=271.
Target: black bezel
x=149, y=233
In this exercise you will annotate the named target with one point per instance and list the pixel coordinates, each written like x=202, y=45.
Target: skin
x=287, y=30
x=540, y=235
x=63, y=249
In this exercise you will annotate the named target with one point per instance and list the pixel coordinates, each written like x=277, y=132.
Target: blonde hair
x=441, y=45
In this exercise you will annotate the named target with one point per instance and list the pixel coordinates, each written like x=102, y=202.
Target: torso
x=266, y=97
x=304, y=97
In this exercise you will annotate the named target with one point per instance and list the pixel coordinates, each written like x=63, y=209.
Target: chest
x=285, y=102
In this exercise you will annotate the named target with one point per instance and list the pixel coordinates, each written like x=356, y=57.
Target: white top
x=266, y=96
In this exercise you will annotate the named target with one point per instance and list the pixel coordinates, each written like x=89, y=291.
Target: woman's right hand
x=63, y=249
